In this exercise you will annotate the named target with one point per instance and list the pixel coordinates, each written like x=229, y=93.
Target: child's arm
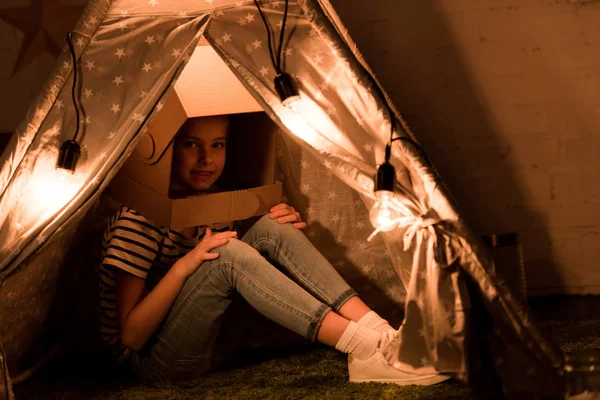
x=139, y=316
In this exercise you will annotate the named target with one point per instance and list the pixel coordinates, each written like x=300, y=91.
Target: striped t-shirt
x=134, y=244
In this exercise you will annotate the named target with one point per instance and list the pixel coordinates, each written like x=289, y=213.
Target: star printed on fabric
x=59, y=104
x=115, y=108
x=66, y=65
x=209, y=1
x=242, y=21
x=111, y=135
x=176, y=53
x=303, y=164
x=147, y=67
x=318, y=59
x=86, y=121
x=368, y=147
x=153, y=3
x=137, y=117
x=143, y=94
x=305, y=187
x=159, y=106
x=330, y=109
x=93, y=20
x=239, y=3
x=257, y=44
x=369, y=268
x=362, y=247
x=124, y=13
x=309, y=210
x=314, y=31
x=335, y=218
x=288, y=51
x=123, y=25
x=249, y=18
x=44, y=24
x=332, y=195
x=88, y=93
x=424, y=361
x=226, y=37
x=360, y=224
x=80, y=42
x=264, y=70
x=275, y=5
x=219, y=13
x=90, y=65
x=149, y=39
x=118, y=80
x=120, y=53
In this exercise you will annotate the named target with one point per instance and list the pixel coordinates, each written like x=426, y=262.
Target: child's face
x=199, y=153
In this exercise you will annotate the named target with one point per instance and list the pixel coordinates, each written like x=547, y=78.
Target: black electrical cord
x=281, y=33
x=74, y=84
x=276, y=62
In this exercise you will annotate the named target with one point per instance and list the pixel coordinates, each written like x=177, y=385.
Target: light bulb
x=383, y=215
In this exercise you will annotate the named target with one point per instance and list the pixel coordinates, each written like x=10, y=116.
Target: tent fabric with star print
x=459, y=319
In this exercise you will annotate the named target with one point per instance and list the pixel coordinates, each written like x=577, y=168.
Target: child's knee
x=234, y=250
x=270, y=225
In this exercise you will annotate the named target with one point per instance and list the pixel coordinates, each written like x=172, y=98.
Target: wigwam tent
x=459, y=318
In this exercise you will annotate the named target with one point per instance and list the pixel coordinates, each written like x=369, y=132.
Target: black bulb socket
x=385, y=178
x=68, y=155
x=285, y=86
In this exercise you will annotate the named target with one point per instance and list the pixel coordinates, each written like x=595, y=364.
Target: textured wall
x=504, y=97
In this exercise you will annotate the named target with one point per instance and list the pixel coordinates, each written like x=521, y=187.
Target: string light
x=383, y=215
x=285, y=85
x=70, y=150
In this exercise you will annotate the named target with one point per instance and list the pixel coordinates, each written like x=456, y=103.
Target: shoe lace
x=386, y=337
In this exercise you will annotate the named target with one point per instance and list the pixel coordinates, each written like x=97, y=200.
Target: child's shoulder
x=127, y=216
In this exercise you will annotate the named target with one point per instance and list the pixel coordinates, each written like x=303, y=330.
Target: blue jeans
x=297, y=300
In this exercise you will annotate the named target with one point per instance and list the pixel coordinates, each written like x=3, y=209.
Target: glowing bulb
x=291, y=102
x=383, y=215
x=48, y=189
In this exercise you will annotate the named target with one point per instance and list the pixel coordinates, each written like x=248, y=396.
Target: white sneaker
x=376, y=369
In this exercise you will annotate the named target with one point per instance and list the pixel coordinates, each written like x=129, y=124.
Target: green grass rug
x=300, y=372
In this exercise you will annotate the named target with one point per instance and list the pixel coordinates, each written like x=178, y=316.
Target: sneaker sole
x=423, y=381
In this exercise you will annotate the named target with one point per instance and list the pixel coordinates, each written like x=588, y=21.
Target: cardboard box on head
x=249, y=174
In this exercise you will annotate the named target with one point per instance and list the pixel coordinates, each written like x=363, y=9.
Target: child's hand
x=285, y=213
x=192, y=260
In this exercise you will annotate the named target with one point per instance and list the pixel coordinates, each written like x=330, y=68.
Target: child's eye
x=218, y=145
x=189, y=144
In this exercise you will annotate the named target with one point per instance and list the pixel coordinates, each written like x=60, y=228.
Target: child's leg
x=289, y=249
x=182, y=348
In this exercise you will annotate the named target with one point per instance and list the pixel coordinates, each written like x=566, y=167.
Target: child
x=164, y=292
